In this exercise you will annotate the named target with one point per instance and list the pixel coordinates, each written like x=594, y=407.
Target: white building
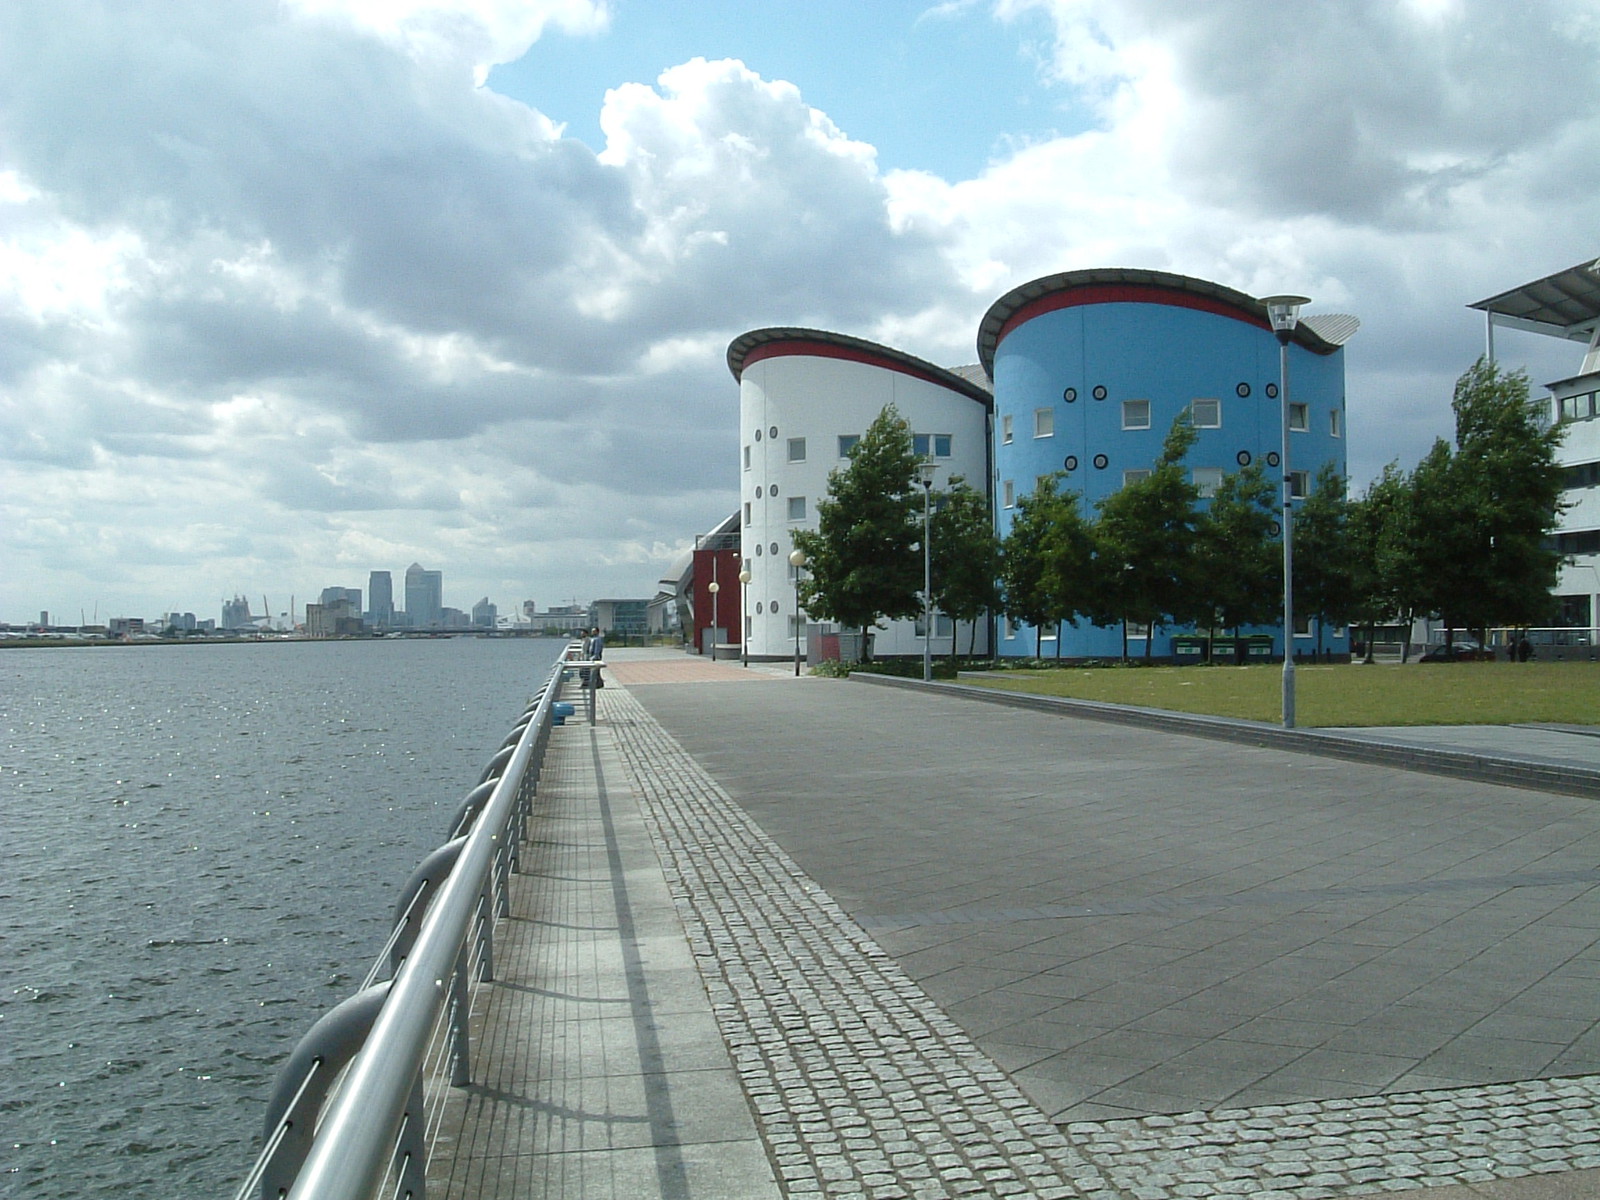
x=805, y=397
x=1567, y=305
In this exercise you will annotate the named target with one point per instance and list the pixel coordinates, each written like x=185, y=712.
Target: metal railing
x=355, y=1105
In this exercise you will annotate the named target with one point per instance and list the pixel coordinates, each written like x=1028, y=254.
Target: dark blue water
x=199, y=849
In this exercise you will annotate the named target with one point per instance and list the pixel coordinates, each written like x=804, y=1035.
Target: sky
x=292, y=290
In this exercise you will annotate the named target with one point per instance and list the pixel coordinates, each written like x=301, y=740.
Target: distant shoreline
x=38, y=643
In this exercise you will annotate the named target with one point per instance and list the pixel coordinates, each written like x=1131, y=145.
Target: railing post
x=461, y=1048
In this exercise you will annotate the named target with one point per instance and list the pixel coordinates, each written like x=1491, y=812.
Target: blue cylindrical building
x=1090, y=370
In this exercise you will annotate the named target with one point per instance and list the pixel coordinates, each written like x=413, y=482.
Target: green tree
x=1025, y=575
x=1323, y=582
x=1046, y=560
x=1482, y=514
x=1238, y=563
x=1145, y=543
x=865, y=561
x=1381, y=554
x=1506, y=470
x=966, y=557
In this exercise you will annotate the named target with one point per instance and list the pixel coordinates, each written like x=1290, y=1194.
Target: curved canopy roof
x=752, y=347
x=1564, y=305
x=1103, y=285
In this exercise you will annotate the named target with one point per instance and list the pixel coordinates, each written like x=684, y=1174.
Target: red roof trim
x=1125, y=293
x=802, y=347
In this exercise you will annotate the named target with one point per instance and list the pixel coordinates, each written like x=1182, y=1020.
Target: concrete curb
x=1459, y=764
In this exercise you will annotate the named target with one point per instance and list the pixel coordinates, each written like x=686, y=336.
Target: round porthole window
x=758, y=491
x=1242, y=390
x=758, y=608
x=1272, y=391
x=773, y=608
x=1274, y=529
x=773, y=432
x=758, y=549
x=1101, y=462
x=1272, y=458
x=758, y=435
x=773, y=490
x=1243, y=458
x=773, y=549
x=1070, y=395
x=1070, y=462
x=1099, y=392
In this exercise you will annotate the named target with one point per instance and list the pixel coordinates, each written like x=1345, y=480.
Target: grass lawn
x=1380, y=694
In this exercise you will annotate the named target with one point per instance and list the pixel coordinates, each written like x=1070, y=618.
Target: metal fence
x=355, y=1106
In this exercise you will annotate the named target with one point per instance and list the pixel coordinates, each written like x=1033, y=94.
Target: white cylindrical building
x=805, y=396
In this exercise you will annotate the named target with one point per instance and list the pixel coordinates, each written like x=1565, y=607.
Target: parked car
x=1464, y=650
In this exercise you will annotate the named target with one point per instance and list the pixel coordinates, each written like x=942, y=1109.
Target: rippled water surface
x=199, y=848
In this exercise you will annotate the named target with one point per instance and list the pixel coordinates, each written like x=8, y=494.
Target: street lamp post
x=925, y=473
x=744, y=619
x=797, y=560
x=1284, y=313
x=713, y=587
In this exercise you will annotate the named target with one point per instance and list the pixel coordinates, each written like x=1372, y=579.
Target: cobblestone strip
x=860, y=1084
x=1337, y=1147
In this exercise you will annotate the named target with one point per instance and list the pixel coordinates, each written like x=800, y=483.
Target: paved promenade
x=807, y=937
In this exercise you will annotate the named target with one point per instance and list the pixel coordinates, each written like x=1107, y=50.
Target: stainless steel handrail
x=362, y=1125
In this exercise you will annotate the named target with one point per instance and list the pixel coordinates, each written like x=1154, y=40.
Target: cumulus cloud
x=285, y=294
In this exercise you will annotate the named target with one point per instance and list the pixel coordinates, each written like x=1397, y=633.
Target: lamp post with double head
x=925, y=474
x=1284, y=313
x=744, y=618
x=797, y=560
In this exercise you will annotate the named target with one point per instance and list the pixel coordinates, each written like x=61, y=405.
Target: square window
x=797, y=449
x=797, y=508
x=1044, y=422
x=1336, y=423
x=847, y=443
x=1136, y=414
x=1302, y=626
x=1299, y=417
x=1005, y=429
x=1007, y=629
x=921, y=445
x=747, y=512
x=1008, y=491
x=941, y=445
x=747, y=458
x=1299, y=481
x=1138, y=630
x=797, y=624
x=1206, y=414
x=1134, y=475
x=1207, y=480
x=1049, y=633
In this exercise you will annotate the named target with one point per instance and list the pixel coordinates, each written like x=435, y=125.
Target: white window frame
x=1134, y=474
x=1128, y=411
x=1299, y=417
x=949, y=445
x=747, y=512
x=1214, y=405
x=1299, y=484
x=747, y=458
x=1335, y=423
x=801, y=502
x=1211, y=482
x=1008, y=493
x=1044, y=422
x=1005, y=429
x=847, y=443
